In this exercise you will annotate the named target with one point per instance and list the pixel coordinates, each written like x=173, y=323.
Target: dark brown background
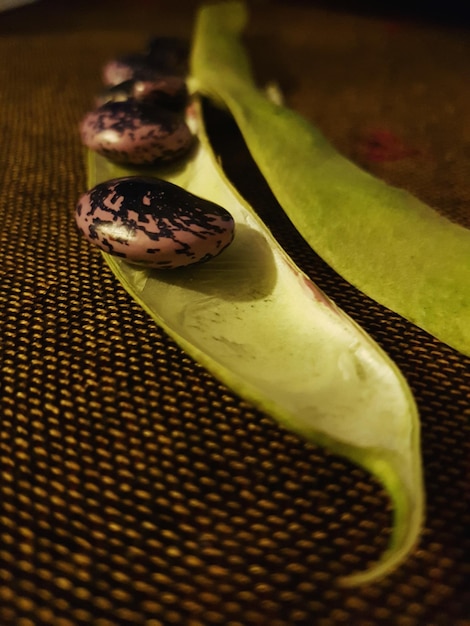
x=137, y=490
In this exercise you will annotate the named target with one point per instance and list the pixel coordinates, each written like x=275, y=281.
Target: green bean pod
x=263, y=328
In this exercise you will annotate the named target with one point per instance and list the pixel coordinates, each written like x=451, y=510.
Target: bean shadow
x=245, y=271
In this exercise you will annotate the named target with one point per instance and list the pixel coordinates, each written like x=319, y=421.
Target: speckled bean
x=153, y=222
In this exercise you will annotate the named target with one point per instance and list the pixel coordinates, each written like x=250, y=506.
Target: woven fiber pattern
x=135, y=489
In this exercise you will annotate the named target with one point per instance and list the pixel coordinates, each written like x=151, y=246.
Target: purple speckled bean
x=115, y=93
x=124, y=68
x=169, y=55
x=165, y=91
x=153, y=222
x=129, y=132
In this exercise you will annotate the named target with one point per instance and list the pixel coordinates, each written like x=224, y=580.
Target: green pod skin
x=311, y=368
x=383, y=240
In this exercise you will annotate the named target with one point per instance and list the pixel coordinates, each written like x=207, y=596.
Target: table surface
x=135, y=488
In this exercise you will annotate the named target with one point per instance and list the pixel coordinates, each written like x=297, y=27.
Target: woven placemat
x=135, y=489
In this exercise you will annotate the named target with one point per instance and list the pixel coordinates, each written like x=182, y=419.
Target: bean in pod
x=169, y=92
x=124, y=68
x=153, y=222
x=134, y=133
x=169, y=55
x=166, y=56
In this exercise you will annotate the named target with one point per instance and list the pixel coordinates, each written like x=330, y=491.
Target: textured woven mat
x=137, y=490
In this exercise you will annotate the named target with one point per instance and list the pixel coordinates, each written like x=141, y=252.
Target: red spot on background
x=392, y=27
x=381, y=145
